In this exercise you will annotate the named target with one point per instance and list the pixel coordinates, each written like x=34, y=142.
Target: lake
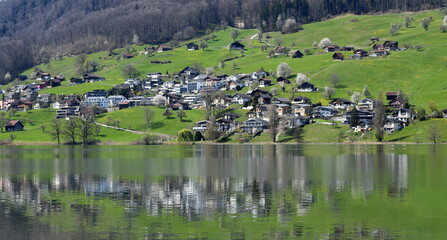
x=224, y=192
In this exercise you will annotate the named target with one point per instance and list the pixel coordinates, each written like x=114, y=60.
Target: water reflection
x=294, y=187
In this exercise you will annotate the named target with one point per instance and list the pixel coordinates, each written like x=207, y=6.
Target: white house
x=115, y=99
x=96, y=101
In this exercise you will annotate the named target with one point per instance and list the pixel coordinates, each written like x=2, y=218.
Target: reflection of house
x=13, y=126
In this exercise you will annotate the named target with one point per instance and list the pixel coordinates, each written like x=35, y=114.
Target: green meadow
x=421, y=74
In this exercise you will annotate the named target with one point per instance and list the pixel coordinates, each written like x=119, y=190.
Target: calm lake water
x=224, y=192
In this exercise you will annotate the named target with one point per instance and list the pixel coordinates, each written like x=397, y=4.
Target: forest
x=34, y=31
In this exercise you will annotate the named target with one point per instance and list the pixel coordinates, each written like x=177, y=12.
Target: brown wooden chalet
x=338, y=57
x=391, y=45
x=192, y=46
x=236, y=46
x=163, y=48
x=296, y=54
x=391, y=95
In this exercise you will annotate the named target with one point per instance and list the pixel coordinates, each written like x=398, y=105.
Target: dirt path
x=164, y=136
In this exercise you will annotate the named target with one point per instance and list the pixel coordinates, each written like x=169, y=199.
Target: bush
x=185, y=135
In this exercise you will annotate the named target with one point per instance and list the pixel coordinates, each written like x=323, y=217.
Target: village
x=191, y=88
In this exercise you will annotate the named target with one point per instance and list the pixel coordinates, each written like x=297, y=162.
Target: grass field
x=421, y=74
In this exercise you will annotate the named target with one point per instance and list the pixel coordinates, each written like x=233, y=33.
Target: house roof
x=12, y=123
x=340, y=100
x=391, y=94
x=338, y=55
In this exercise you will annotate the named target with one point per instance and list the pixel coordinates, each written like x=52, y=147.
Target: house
x=265, y=82
x=264, y=99
x=301, y=100
x=361, y=116
x=257, y=112
x=282, y=109
x=75, y=80
x=65, y=112
x=92, y=78
x=189, y=72
x=42, y=76
x=331, y=48
x=366, y=104
x=363, y=125
x=115, y=100
x=281, y=100
x=254, y=126
x=201, y=126
x=96, y=101
x=258, y=75
x=241, y=98
x=361, y=53
x=96, y=93
x=128, y=55
x=236, y=46
x=397, y=103
x=379, y=53
x=295, y=54
x=341, y=103
x=293, y=121
x=391, y=95
x=280, y=50
x=14, y=126
x=163, y=48
x=301, y=109
x=374, y=39
x=391, y=45
x=378, y=46
x=22, y=77
x=307, y=87
x=404, y=115
x=231, y=116
x=338, y=57
x=124, y=105
x=282, y=80
x=192, y=46
x=40, y=105
x=392, y=125
x=347, y=49
x=257, y=92
x=444, y=113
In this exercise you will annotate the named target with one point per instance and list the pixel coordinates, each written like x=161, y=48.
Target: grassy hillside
x=421, y=74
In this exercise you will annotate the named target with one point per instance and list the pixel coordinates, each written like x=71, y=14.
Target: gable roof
x=12, y=123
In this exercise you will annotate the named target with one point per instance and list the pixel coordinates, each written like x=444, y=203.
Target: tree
x=394, y=28
x=279, y=41
x=185, y=135
x=7, y=77
x=209, y=70
x=167, y=113
x=315, y=44
x=334, y=80
x=356, y=97
x=70, y=129
x=366, y=92
x=181, y=114
x=12, y=136
x=259, y=36
x=354, y=121
x=421, y=114
x=130, y=71
x=297, y=133
x=443, y=28
x=407, y=21
x=212, y=133
x=198, y=136
x=328, y=92
x=425, y=23
x=234, y=65
x=92, y=66
x=283, y=70
x=290, y=26
x=444, y=21
x=341, y=135
x=221, y=64
x=307, y=51
x=292, y=44
x=203, y=45
x=135, y=39
x=43, y=127
x=434, y=132
x=80, y=62
x=234, y=33
x=151, y=139
x=159, y=100
x=379, y=118
x=324, y=43
x=56, y=130
x=273, y=123
x=149, y=115
x=301, y=78
x=86, y=125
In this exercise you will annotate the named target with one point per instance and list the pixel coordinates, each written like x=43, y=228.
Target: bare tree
x=334, y=80
x=130, y=71
x=425, y=23
x=167, y=113
x=86, y=125
x=181, y=114
x=212, y=132
x=203, y=45
x=149, y=115
x=69, y=131
x=301, y=78
x=434, y=132
x=328, y=92
x=234, y=33
x=92, y=66
x=273, y=125
x=356, y=97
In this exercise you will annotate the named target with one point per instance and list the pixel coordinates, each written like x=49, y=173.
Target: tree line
x=34, y=31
